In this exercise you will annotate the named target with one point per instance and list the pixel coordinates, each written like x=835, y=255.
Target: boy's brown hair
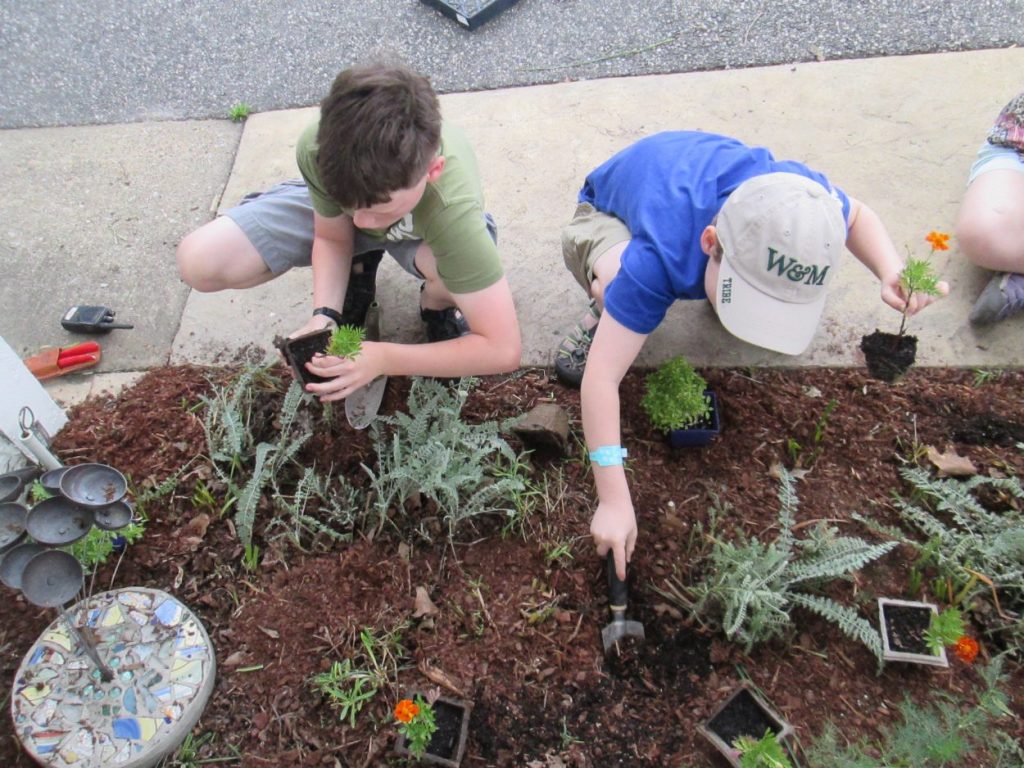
x=380, y=126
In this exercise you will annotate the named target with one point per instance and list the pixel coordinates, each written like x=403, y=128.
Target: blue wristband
x=608, y=455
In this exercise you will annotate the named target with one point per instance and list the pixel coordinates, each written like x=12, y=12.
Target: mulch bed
x=519, y=634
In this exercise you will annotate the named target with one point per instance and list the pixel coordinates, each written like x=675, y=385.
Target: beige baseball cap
x=782, y=237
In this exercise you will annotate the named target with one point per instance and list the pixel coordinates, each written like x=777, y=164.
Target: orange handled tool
x=58, y=361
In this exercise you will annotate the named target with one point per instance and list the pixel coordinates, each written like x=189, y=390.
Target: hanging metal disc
x=11, y=487
x=12, y=524
x=57, y=521
x=50, y=479
x=116, y=516
x=13, y=564
x=93, y=485
x=52, y=578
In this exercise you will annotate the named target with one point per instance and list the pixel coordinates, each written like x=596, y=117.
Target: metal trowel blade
x=362, y=405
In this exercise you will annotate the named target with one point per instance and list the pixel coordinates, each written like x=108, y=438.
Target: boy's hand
x=315, y=323
x=894, y=295
x=346, y=375
x=614, y=528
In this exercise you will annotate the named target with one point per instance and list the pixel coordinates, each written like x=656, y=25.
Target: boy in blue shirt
x=691, y=215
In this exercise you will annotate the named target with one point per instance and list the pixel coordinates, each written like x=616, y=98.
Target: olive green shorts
x=586, y=238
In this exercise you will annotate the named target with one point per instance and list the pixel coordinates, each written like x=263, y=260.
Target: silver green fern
x=465, y=469
x=751, y=587
x=961, y=533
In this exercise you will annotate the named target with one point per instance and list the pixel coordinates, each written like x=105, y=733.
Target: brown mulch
x=519, y=634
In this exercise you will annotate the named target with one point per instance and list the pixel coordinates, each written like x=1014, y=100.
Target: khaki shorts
x=586, y=238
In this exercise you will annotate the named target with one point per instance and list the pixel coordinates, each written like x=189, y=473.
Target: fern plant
x=675, y=396
x=974, y=547
x=465, y=469
x=751, y=587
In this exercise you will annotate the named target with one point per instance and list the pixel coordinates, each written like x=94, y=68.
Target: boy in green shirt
x=381, y=171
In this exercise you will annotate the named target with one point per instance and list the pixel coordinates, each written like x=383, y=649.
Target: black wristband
x=334, y=314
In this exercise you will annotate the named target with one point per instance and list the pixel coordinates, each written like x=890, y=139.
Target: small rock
x=546, y=425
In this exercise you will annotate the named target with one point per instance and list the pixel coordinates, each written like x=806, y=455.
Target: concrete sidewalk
x=97, y=222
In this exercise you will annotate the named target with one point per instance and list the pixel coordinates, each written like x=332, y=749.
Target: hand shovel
x=362, y=405
x=618, y=599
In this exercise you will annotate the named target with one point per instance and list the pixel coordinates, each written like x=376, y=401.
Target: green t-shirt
x=449, y=217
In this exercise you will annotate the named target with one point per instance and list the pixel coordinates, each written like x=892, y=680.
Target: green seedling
x=239, y=112
x=567, y=738
x=203, y=498
x=251, y=557
x=417, y=723
x=349, y=687
x=346, y=341
x=558, y=552
x=918, y=276
x=982, y=376
x=675, y=396
x=796, y=451
x=765, y=752
x=945, y=629
x=95, y=547
x=38, y=493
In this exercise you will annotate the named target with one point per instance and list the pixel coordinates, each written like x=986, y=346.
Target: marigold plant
x=406, y=710
x=939, y=241
x=966, y=649
x=416, y=723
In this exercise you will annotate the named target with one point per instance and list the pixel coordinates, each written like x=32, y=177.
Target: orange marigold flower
x=938, y=240
x=406, y=710
x=966, y=649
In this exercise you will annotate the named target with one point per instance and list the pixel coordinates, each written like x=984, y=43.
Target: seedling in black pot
x=888, y=355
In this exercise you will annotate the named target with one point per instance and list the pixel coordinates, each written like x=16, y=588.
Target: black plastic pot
x=888, y=355
x=903, y=624
x=447, y=746
x=744, y=713
x=700, y=434
x=300, y=350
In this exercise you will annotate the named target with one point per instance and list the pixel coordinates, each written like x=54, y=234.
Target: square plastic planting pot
x=447, y=746
x=902, y=624
x=743, y=713
x=699, y=434
x=300, y=350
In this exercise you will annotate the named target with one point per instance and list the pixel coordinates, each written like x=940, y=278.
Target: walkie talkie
x=83, y=319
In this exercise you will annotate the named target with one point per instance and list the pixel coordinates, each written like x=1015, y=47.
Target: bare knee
x=988, y=237
x=192, y=264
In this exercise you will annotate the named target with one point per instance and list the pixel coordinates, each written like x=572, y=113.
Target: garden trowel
x=362, y=405
x=618, y=599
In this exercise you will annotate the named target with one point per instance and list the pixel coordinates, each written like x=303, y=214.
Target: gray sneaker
x=1002, y=297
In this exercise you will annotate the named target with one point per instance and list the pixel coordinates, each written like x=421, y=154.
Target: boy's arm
x=869, y=241
x=333, y=240
x=613, y=351
x=493, y=345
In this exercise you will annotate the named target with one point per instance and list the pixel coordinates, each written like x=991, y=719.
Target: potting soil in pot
x=742, y=717
x=888, y=356
x=445, y=740
x=905, y=627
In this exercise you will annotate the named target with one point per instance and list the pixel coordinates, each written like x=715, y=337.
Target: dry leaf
x=236, y=658
x=951, y=464
x=197, y=525
x=423, y=605
x=436, y=676
x=273, y=634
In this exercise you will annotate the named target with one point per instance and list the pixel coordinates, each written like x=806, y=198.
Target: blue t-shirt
x=666, y=189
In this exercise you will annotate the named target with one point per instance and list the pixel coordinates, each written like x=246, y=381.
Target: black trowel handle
x=618, y=593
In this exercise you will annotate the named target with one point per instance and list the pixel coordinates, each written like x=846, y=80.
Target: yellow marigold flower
x=966, y=649
x=939, y=240
x=406, y=710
